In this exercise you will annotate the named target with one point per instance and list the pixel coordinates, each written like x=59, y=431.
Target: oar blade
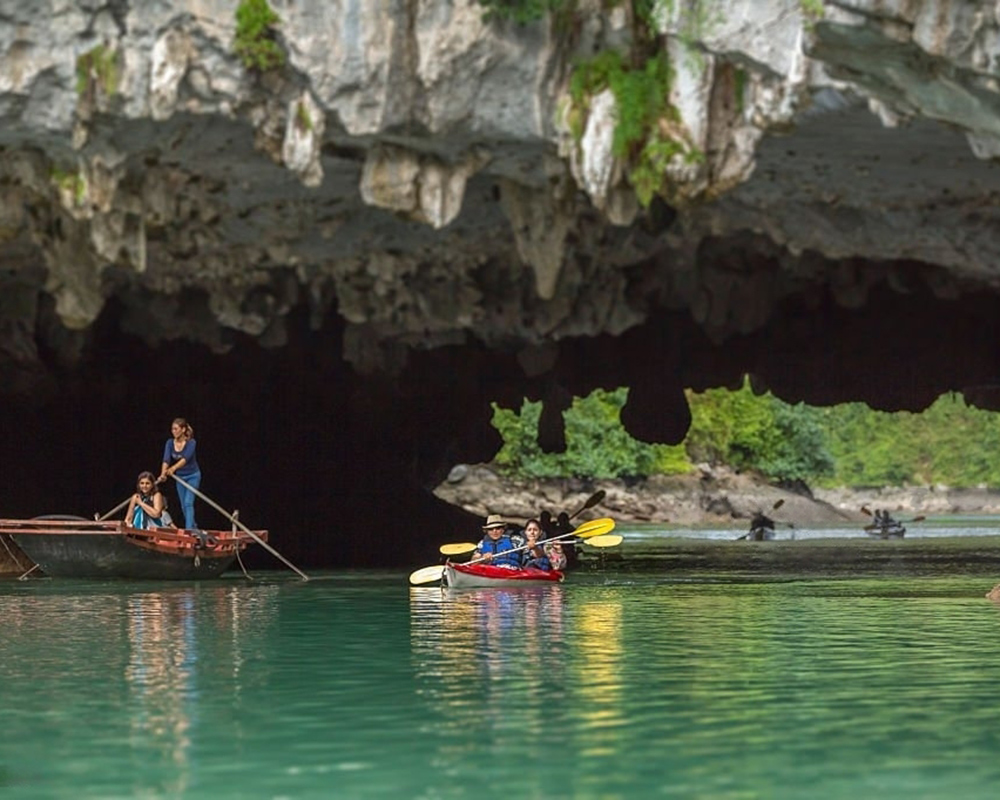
x=426, y=575
x=594, y=499
x=604, y=540
x=596, y=527
x=457, y=548
x=585, y=528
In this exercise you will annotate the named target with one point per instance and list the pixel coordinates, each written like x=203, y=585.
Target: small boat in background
x=482, y=576
x=759, y=534
x=74, y=547
x=894, y=531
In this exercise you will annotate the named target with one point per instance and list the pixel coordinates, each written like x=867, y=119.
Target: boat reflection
x=596, y=660
x=159, y=675
x=156, y=656
x=490, y=661
x=181, y=641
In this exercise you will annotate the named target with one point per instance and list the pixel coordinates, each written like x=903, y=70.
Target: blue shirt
x=171, y=457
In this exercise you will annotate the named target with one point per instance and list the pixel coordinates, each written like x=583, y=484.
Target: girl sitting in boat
x=145, y=509
x=541, y=554
x=496, y=547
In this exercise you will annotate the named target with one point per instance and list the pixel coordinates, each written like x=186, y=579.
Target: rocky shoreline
x=706, y=497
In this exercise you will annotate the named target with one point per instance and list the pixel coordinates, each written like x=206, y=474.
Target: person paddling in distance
x=145, y=509
x=179, y=459
x=496, y=547
x=542, y=555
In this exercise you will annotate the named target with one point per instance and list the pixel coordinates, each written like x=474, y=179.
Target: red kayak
x=480, y=576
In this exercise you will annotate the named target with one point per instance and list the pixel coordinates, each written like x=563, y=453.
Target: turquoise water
x=620, y=683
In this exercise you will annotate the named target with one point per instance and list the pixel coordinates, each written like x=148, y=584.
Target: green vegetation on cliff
x=99, y=69
x=950, y=443
x=255, y=44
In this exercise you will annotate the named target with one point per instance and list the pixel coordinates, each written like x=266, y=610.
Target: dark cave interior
x=339, y=466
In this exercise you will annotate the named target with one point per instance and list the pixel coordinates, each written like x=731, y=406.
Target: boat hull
x=80, y=549
x=484, y=576
x=892, y=532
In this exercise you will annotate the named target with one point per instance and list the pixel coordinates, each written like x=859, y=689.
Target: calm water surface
x=666, y=679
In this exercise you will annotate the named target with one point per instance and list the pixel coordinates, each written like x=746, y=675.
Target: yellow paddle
x=587, y=530
x=604, y=540
x=456, y=548
x=604, y=524
x=461, y=548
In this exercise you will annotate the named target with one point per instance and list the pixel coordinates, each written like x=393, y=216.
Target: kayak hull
x=891, y=532
x=484, y=576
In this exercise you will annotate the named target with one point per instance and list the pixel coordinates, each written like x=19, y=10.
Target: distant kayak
x=481, y=576
x=760, y=534
x=896, y=531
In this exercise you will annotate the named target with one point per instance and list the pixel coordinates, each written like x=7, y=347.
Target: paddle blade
x=426, y=575
x=596, y=527
x=457, y=548
x=921, y=518
x=778, y=504
x=604, y=540
x=594, y=499
x=865, y=510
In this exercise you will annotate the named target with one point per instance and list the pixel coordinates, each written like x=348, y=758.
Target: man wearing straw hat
x=496, y=547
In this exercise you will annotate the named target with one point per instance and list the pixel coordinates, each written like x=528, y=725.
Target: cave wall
x=340, y=466
x=334, y=266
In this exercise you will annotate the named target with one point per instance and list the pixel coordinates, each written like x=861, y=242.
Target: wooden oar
x=114, y=510
x=240, y=525
x=585, y=531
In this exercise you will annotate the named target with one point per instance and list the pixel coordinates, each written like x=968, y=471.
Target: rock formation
x=333, y=261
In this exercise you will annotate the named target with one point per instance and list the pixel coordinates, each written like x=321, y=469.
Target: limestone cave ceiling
x=414, y=216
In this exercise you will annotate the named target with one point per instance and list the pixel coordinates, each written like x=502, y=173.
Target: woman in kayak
x=541, y=554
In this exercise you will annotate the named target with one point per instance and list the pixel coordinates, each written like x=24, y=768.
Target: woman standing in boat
x=179, y=459
x=145, y=509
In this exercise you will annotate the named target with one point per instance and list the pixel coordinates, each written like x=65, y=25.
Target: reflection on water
x=160, y=676
x=597, y=661
x=621, y=684
x=717, y=689
x=93, y=674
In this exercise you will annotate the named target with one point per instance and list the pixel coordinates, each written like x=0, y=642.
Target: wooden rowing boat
x=79, y=548
x=483, y=576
